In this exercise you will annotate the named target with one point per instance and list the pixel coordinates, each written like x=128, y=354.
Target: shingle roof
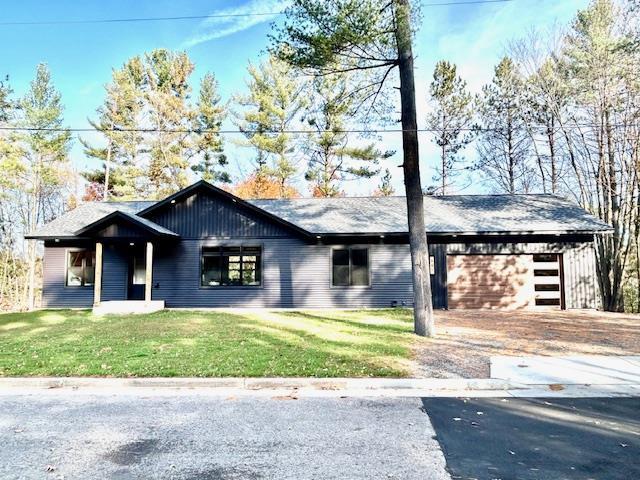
x=130, y=217
x=85, y=214
x=455, y=214
x=443, y=214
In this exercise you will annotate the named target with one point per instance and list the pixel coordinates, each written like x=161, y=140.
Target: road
x=202, y=437
x=73, y=435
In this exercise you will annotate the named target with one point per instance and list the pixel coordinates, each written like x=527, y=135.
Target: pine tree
x=385, y=189
x=40, y=168
x=270, y=107
x=332, y=160
x=504, y=145
x=451, y=119
x=118, y=119
x=210, y=114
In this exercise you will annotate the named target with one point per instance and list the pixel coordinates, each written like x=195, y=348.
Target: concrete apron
x=294, y=388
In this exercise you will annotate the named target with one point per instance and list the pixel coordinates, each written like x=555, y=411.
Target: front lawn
x=367, y=343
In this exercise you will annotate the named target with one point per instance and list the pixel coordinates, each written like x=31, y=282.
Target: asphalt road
x=536, y=439
x=75, y=436
x=72, y=435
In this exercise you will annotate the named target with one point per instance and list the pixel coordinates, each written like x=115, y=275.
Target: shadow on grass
x=194, y=343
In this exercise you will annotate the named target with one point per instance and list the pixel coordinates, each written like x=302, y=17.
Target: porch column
x=148, y=273
x=97, y=281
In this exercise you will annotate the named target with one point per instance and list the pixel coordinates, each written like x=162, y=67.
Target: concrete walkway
x=573, y=370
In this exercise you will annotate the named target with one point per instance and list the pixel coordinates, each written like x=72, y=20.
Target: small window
x=81, y=268
x=231, y=266
x=350, y=267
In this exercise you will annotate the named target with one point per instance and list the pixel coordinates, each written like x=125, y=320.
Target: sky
x=81, y=56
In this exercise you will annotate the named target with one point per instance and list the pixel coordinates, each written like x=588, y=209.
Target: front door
x=137, y=274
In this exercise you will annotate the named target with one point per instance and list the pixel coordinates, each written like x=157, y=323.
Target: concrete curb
x=253, y=384
x=293, y=388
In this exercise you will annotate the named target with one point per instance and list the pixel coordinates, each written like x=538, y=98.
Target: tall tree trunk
x=422, y=307
x=107, y=170
x=444, y=170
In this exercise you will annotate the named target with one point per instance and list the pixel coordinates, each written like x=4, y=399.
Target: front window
x=350, y=267
x=81, y=268
x=231, y=266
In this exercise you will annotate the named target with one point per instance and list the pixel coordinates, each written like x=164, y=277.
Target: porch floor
x=128, y=306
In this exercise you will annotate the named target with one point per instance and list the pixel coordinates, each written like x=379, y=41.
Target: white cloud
x=246, y=17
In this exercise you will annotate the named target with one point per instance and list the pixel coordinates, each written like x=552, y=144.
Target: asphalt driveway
x=538, y=439
x=187, y=437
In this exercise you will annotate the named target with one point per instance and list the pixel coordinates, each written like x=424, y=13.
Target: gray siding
x=581, y=285
x=295, y=274
x=202, y=215
x=54, y=292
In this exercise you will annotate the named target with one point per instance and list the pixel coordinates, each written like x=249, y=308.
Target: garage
x=522, y=281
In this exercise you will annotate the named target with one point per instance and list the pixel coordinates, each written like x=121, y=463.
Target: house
x=204, y=247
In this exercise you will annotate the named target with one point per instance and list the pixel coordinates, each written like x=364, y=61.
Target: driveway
x=538, y=439
x=187, y=437
x=466, y=340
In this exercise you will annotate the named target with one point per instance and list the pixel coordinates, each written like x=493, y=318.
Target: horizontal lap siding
x=295, y=274
x=54, y=292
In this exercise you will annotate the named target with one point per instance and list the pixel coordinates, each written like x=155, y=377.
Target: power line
x=204, y=17
x=141, y=19
x=301, y=132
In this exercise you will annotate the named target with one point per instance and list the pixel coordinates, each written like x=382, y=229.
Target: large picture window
x=81, y=268
x=231, y=266
x=350, y=267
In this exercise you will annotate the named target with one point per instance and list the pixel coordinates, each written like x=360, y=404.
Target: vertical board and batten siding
x=202, y=215
x=115, y=272
x=581, y=285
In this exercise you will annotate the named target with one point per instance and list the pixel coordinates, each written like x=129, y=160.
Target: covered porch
x=124, y=251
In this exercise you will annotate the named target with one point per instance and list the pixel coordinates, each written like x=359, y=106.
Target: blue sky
x=81, y=56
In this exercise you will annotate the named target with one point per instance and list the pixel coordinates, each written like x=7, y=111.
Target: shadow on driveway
x=537, y=439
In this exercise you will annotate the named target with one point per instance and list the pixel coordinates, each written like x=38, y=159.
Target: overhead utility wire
x=228, y=132
x=204, y=17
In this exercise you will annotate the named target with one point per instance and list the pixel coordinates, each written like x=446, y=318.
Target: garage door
x=504, y=281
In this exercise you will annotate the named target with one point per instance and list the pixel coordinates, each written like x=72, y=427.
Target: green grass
x=367, y=343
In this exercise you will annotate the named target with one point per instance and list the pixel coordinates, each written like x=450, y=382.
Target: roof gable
x=194, y=197
x=123, y=224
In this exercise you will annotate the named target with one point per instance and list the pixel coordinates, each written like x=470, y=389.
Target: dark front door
x=137, y=273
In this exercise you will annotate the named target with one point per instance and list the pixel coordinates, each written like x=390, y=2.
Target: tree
x=451, y=120
x=270, y=107
x=385, y=189
x=37, y=170
x=155, y=135
x=599, y=61
x=504, y=144
x=118, y=120
x=210, y=114
x=268, y=188
x=332, y=160
x=372, y=36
